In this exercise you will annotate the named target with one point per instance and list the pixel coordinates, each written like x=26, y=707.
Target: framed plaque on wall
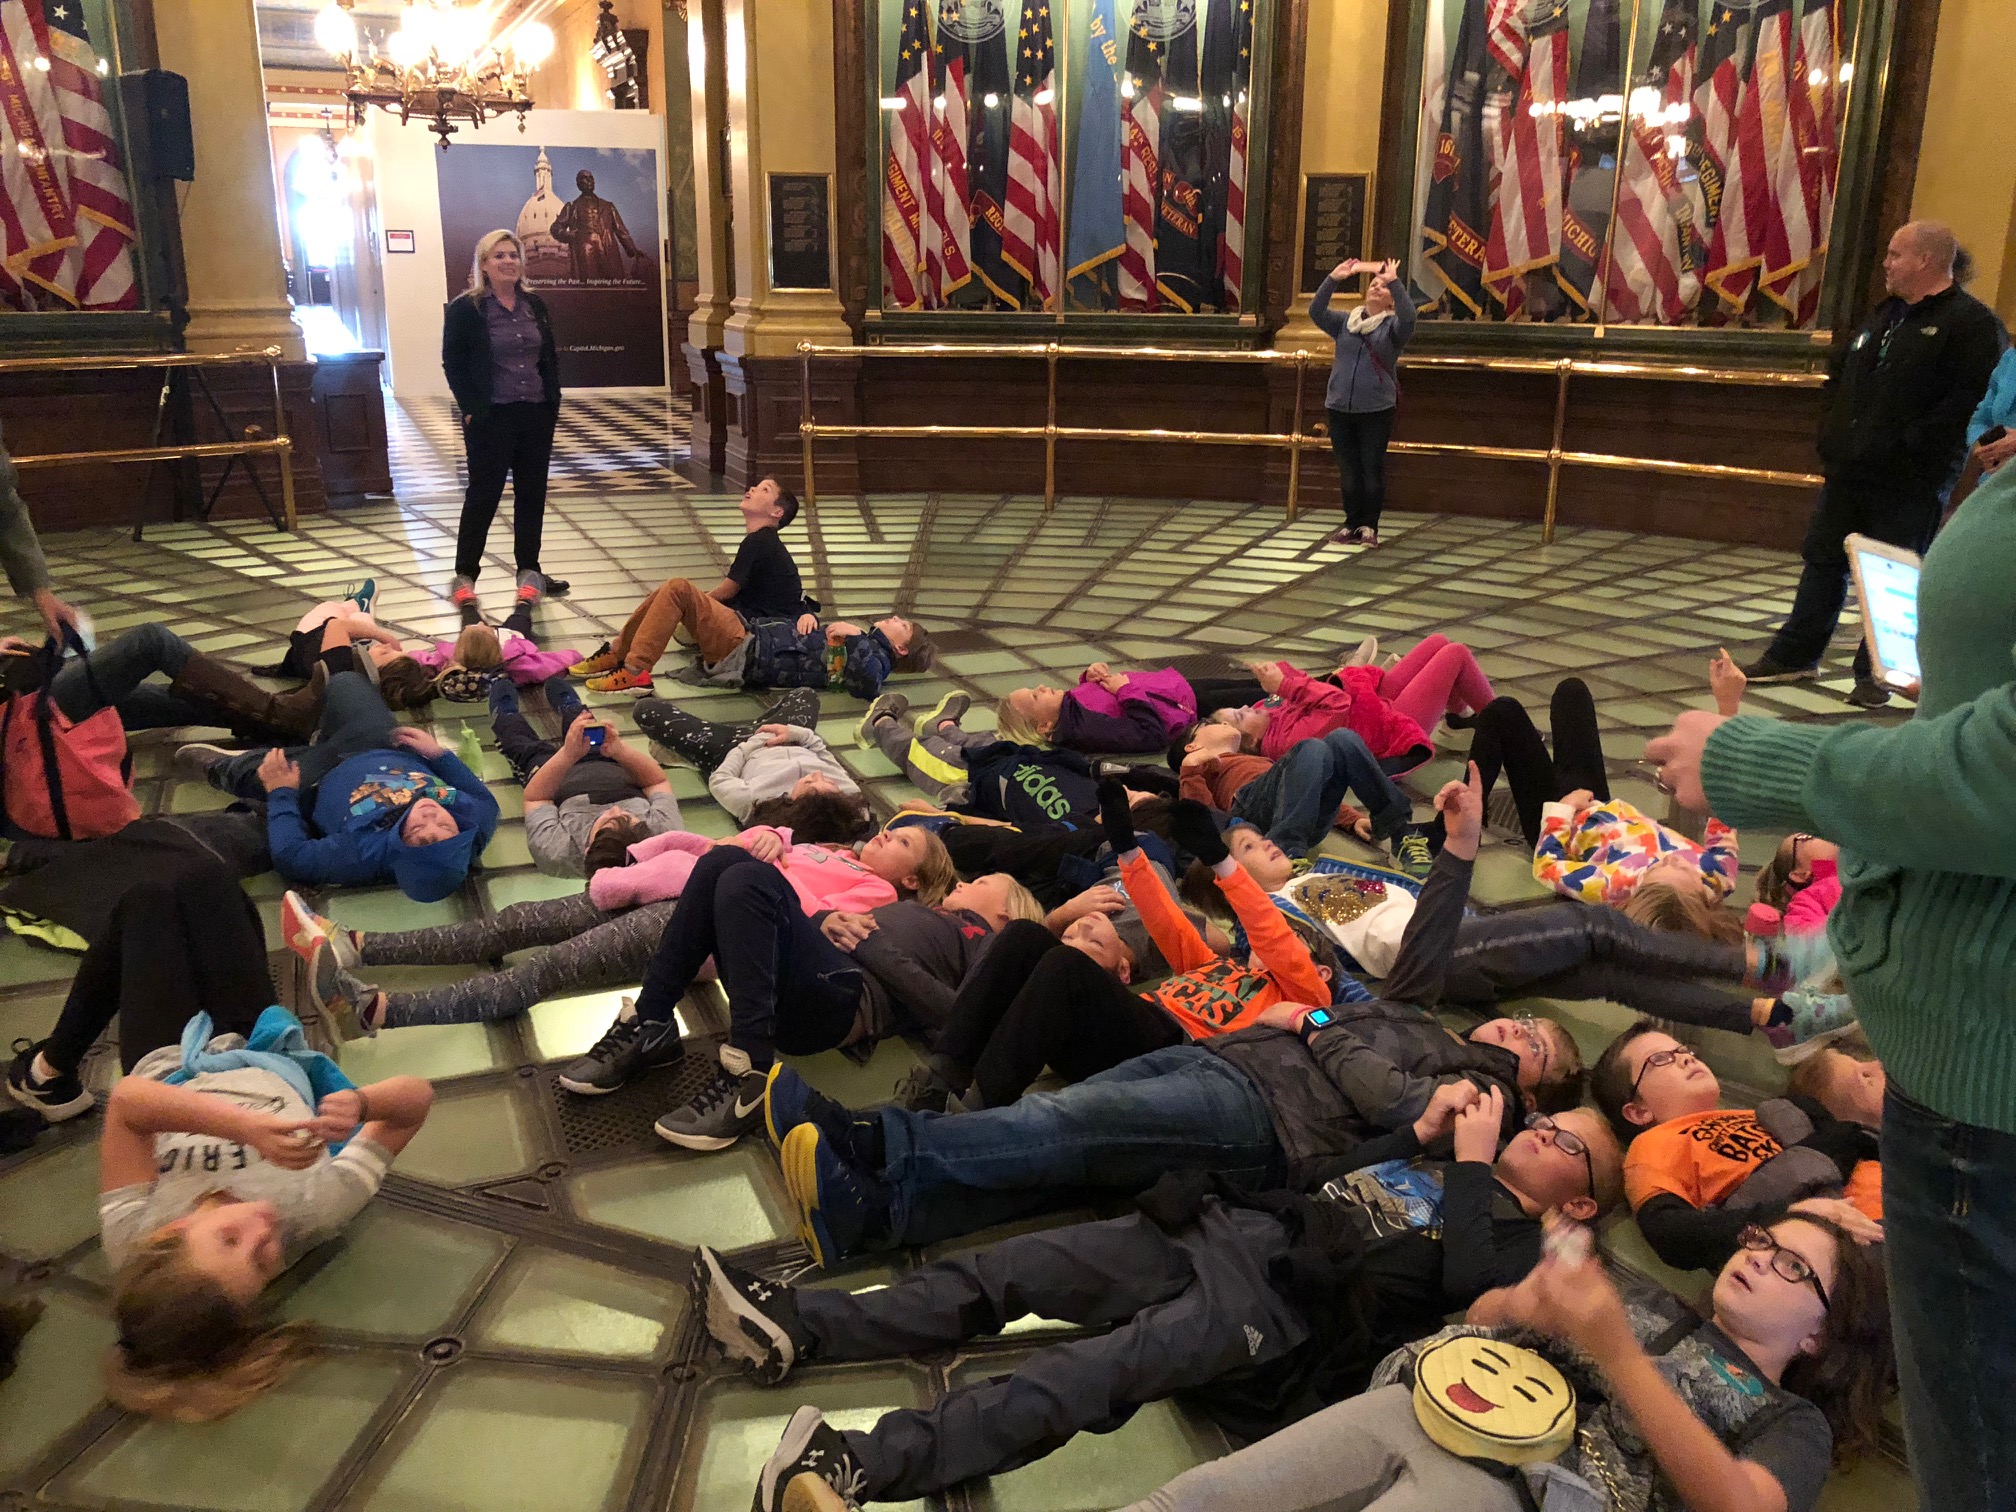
x=801, y=240
x=1335, y=207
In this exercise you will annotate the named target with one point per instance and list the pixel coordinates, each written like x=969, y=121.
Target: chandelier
x=442, y=65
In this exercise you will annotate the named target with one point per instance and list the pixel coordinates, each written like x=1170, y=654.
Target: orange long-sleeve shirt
x=1205, y=992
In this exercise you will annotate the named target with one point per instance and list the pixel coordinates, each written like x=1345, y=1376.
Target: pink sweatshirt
x=525, y=662
x=659, y=866
x=1807, y=912
x=1308, y=709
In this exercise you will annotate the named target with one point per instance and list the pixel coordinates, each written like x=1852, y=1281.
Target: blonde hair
x=1659, y=905
x=488, y=242
x=936, y=876
x=1022, y=903
x=187, y=1351
x=478, y=649
x=1010, y=723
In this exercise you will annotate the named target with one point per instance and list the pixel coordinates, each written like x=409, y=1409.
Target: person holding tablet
x=1925, y=936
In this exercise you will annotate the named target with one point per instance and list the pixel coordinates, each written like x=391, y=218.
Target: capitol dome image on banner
x=587, y=218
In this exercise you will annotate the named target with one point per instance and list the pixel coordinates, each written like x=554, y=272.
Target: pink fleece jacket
x=659, y=866
x=525, y=662
x=1307, y=709
x=1807, y=912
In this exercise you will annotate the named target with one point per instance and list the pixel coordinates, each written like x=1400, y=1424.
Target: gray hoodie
x=1365, y=374
x=756, y=770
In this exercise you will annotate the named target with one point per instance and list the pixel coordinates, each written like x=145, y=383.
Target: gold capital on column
x=230, y=227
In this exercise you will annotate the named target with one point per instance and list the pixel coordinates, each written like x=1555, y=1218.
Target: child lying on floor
x=1106, y=712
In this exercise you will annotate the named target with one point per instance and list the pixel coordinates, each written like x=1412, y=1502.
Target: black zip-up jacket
x=913, y=964
x=465, y=352
x=1902, y=391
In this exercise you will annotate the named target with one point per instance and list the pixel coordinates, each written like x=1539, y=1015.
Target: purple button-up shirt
x=514, y=352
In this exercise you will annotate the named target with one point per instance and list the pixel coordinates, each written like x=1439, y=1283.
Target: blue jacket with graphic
x=779, y=656
x=358, y=808
x=1030, y=785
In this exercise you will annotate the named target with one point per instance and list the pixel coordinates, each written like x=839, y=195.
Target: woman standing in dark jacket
x=1364, y=389
x=497, y=350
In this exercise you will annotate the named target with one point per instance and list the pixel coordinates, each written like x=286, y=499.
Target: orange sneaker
x=622, y=680
x=603, y=661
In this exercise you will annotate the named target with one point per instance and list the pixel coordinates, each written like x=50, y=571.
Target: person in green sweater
x=1925, y=935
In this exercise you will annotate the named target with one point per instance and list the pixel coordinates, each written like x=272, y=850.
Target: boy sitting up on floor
x=1697, y=1172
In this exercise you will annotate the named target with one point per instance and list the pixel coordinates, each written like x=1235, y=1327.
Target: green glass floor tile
x=472, y=1137
x=551, y=1301
x=730, y=1200
x=708, y=819
x=387, y=908
x=859, y=1085
x=396, y=1273
x=56, y=1380
x=507, y=848
x=50, y=1204
x=565, y=1027
x=1097, y=1471
x=430, y=1050
x=30, y=1017
x=528, y=887
x=865, y=765
x=738, y=1425
x=686, y=782
x=294, y=1434
x=973, y=663
x=1504, y=874
x=515, y=1440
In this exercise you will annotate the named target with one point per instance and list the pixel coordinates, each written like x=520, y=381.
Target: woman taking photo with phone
x=1364, y=390
x=497, y=350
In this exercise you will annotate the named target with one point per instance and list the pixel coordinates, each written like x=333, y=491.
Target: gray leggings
x=590, y=951
x=943, y=755
x=1366, y=1454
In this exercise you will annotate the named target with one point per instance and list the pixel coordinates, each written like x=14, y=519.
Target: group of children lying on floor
x=1253, y=1039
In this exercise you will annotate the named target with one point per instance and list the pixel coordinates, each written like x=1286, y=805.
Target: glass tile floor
x=507, y=1326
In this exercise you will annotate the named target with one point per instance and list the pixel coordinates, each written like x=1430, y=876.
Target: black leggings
x=1506, y=741
x=1033, y=1002
x=172, y=948
x=705, y=743
x=1359, y=444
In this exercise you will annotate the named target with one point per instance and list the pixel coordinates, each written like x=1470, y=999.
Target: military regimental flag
x=980, y=31
x=907, y=166
x=1186, y=259
x=1457, y=219
x=1592, y=155
x=1228, y=117
x=1035, y=190
x=1097, y=234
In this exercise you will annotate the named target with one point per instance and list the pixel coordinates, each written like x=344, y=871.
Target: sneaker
x=201, y=760
x=812, y=1469
x=1766, y=670
x=631, y=1047
x=341, y=998
x=604, y=660
x=753, y=1320
x=886, y=706
x=1411, y=850
x=721, y=1112
x=1868, y=694
x=922, y=1091
x=1352, y=535
x=1818, y=1019
x=1790, y=960
x=838, y=1204
x=1366, y=654
x=531, y=587
x=948, y=710
x=622, y=680
x=363, y=595
x=56, y=1098
x=789, y=1100
x=462, y=592
x=304, y=931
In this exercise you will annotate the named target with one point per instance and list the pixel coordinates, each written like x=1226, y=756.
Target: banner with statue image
x=587, y=218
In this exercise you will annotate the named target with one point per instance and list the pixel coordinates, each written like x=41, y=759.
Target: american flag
x=1653, y=275
x=100, y=268
x=904, y=225
x=1814, y=86
x=1526, y=220
x=1141, y=166
x=37, y=224
x=950, y=191
x=1229, y=37
x=1788, y=237
x=1029, y=228
x=1731, y=167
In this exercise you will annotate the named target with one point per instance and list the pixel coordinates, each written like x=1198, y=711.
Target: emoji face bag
x=1481, y=1398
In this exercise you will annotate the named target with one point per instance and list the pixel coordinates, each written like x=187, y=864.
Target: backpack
x=64, y=780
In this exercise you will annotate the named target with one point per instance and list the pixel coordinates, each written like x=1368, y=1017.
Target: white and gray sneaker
x=753, y=1320
x=631, y=1047
x=812, y=1469
x=729, y=1106
x=55, y=1097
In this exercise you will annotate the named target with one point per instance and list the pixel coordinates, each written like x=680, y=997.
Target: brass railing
x=252, y=443
x=1554, y=457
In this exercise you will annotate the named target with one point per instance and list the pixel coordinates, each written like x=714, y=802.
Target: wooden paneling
x=350, y=425
x=1284, y=159
x=710, y=425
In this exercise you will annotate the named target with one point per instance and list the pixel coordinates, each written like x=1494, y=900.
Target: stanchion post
x=805, y=420
x=1050, y=432
x=280, y=432
x=1562, y=369
x=1295, y=438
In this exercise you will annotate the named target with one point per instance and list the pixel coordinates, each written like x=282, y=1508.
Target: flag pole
x=805, y=420
x=1050, y=433
x=1610, y=229
x=1061, y=70
x=1295, y=438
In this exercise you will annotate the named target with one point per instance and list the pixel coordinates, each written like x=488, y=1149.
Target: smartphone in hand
x=595, y=735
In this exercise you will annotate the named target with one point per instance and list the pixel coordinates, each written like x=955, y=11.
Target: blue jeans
x=1949, y=1221
x=1177, y=1109
x=115, y=677
x=1295, y=800
x=354, y=720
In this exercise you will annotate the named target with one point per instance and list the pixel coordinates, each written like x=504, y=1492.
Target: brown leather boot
x=249, y=707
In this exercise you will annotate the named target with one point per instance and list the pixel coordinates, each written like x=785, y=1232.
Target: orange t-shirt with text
x=1700, y=1158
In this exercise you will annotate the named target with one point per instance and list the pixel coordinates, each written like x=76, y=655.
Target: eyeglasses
x=1660, y=1058
x=1788, y=1263
x=1567, y=1142
x=1529, y=1026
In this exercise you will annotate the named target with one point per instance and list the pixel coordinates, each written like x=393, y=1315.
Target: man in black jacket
x=1257, y=1308
x=1892, y=439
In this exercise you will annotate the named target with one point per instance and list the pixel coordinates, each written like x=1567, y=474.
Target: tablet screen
x=1892, y=608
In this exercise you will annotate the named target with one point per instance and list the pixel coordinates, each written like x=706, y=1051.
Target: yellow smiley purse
x=1483, y=1399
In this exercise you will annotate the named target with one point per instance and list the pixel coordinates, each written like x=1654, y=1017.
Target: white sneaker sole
x=695, y=1141
x=737, y=1324
x=53, y=1112
x=797, y=1434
